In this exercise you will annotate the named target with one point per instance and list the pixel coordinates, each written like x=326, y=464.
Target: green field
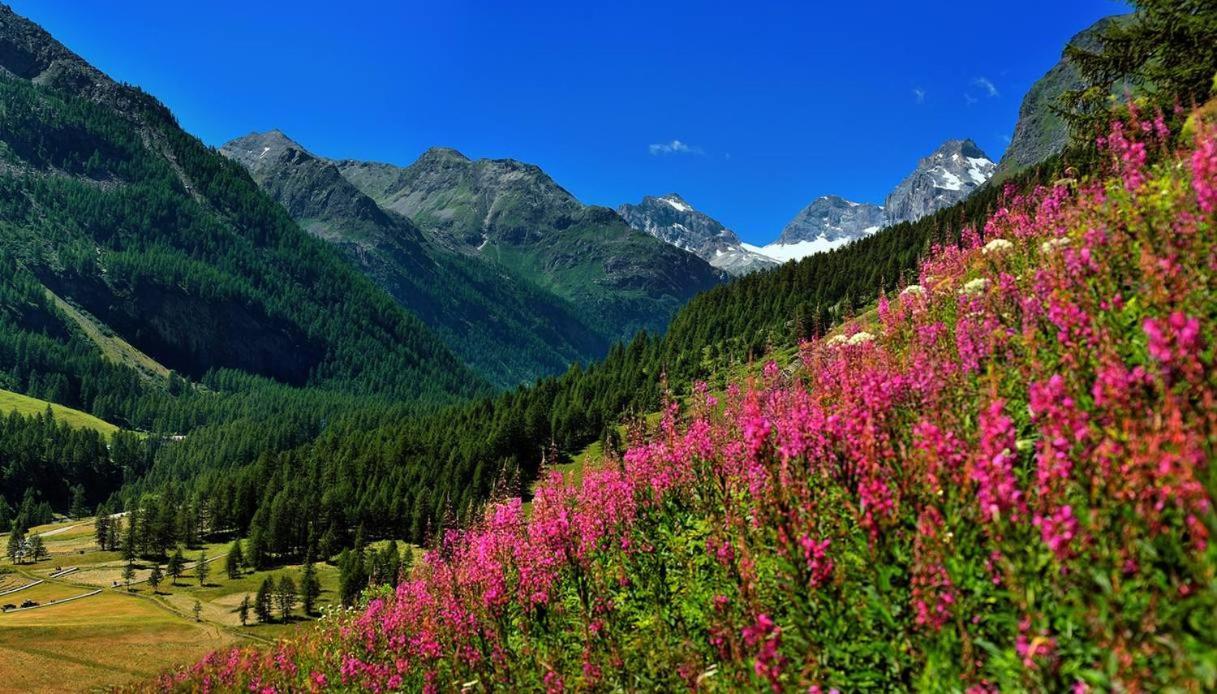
x=26, y=405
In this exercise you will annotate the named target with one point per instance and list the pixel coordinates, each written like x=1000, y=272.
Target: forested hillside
x=496, y=320
x=147, y=280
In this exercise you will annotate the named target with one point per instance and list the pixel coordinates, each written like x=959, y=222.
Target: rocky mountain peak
x=670, y=218
x=443, y=155
x=832, y=218
x=943, y=178
x=256, y=150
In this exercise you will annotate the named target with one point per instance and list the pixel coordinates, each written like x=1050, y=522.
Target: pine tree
x=201, y=568
x=101, y=528
x=78, y=508
x=353, y=576
x=235, y=560
x=37, y=549
x=1164, y=51
x=259, y=554
x=310, y=586
x=262, y=602
x=128, y=573
x=243, y=610
x=155, y=578
x=286, y=597
x=112, y=534
x=16, y=543
x=177, y=565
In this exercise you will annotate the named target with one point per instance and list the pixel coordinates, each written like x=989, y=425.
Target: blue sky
x=748, y=109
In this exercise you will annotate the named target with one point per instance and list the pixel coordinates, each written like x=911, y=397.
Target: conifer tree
x=201, y=568
x=263, y=601
x=101, y=527
x=310, y=586
x=155, y=578
x=78, y=508
x=243, y=610
x=177, y=564
x=128, y=573
x=37, y=549
x=285, y=595
x=235, y=560
x=15, y=549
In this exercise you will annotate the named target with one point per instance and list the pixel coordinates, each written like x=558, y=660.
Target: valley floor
x=90, y=632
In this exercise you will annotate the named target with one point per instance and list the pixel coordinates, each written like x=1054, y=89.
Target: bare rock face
x=950, y=174
x=671, y=219
x=1040, y=131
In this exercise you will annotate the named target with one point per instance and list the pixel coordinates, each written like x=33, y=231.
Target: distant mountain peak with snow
x=670, y=218
x=950, y=174
x=832, y=218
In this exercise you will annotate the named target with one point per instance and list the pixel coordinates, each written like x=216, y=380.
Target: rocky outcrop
x=832, y=218
x=1041, y=132
x=672, y=220
x=948, y=175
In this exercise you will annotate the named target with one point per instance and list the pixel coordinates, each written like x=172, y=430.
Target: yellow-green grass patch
x=25, y=405
x=112, y=346
x=98, y=642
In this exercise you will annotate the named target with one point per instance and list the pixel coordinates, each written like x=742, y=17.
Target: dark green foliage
x=310, y=587
x=285, y=596
x=264, y=601
x=234, y=561
x=352, y=576
x=45, y=465
x=177, y=564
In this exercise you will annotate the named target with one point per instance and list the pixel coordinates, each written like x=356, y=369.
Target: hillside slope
x=515, y=215
x=1000, y=480
x=499, y=323
x=110, y=205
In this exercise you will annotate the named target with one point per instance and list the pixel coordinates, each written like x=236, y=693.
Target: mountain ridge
x=670, y=218
x=499, y=323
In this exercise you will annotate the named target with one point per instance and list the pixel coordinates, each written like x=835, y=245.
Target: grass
x=112, y=346
x=122, y=636
x=101, y=641
x=28, y=406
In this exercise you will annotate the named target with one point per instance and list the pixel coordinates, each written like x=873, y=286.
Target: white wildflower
x=835, y=340
x=914, y=289
x=976, y=286
x=860, y=338
x=996, y=246
x=1052, y=244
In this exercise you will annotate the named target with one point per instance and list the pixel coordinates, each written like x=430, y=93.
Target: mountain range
x=671, y=219
x=499, y=323
x=117, y=225
x=945, y=177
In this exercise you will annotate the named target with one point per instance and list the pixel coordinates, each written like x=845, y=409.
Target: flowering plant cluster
x=998, y=479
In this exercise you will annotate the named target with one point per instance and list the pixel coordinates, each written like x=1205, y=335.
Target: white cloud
x=969, y=99
x=987, y=85
x=674, y=147
x=919, y=95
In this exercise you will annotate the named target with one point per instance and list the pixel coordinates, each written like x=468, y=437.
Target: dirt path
x=56, y=531
x=21, y=588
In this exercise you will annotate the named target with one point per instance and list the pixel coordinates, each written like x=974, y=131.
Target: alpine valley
x=277, y=419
